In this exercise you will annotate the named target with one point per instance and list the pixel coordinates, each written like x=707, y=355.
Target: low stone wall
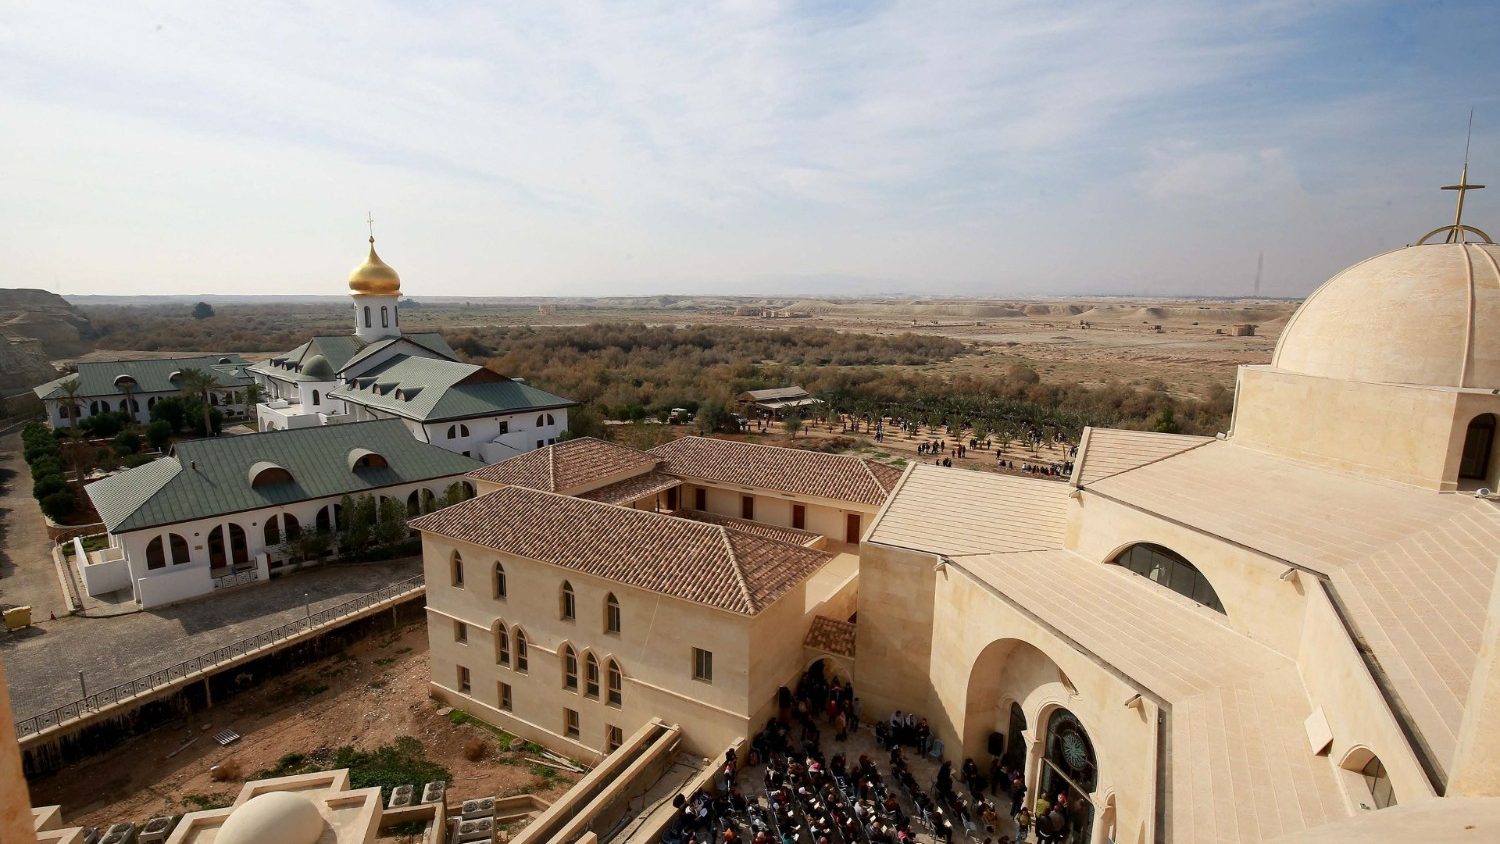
x=62, y=533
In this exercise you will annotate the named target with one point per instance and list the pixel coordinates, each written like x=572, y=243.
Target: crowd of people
x=842, y=798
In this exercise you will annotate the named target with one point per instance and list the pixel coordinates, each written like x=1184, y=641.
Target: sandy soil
x=376, y=692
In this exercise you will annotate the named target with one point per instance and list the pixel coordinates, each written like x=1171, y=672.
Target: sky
x=1002, y=148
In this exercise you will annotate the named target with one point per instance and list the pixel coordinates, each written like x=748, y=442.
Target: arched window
x=324, y=522
x=1376, y=778
x=1070, y=767
x=615, y=681
x=385, y=317
x=499, y=580
x=292, y=527
x=457, y=567
x=463, y=430
x=239, y=549
x=570, y=668
x=502, y=646
x=568, y=605
x=179, y=549
x=316, y=398
x=591, y=677
x=1478, y=443
x=414, y=504
x=540, y=419
x=452, y=431
x=1015, y=752
x=272, y=532
x=1171, y=570
x=521, y=658
x=611, y=614
x=156, y=557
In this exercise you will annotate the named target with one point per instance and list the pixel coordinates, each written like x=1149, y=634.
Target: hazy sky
x=557, y=148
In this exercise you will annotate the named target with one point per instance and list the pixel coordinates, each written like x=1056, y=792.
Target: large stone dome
x=276, y=817
x=1427, y=315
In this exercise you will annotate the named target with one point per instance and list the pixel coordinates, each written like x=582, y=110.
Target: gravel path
x=27, y=575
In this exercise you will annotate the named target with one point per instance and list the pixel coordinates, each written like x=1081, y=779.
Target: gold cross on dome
x=1455, y=234
x=370, y=219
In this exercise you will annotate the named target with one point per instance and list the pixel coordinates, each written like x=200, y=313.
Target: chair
x=936, y=751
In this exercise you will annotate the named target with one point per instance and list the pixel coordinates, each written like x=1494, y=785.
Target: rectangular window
x=747, y=506
x=458, y=571
x=463, y=680
x=700, y=499
x=504, y=697
x=460, y=633
x=570, y=723
x=799, y=516
x=613, y=738
x=703, y=665
x=541, y=443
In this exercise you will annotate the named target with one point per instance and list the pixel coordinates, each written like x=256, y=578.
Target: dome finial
x=370, y=219
x=1457, y=231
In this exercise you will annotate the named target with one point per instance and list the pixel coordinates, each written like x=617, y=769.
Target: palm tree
x=200, y=383
x=70, y=389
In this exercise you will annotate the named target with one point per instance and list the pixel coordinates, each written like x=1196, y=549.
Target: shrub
x=58, y=505
x=171, y=411
x=45, y=485
x=127, y=443
x=389, y=765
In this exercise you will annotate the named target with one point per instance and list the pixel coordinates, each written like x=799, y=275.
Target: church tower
x=376, y=288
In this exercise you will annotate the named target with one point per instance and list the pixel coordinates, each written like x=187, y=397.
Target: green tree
x=200, y=384
x=792, y=423
x=171, y=410
x=713, y=418
x=585, y=422
x=203, y=310
x=127, y=443
x=390, y=524
x=1165, y=421
x=70, y=389
x=159, y=433
x=58, y=505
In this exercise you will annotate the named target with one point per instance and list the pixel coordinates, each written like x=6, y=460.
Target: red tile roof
x=566, y=465
x=707, y=564
x=840, y=477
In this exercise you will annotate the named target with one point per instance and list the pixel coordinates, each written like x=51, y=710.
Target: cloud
x=577, y=147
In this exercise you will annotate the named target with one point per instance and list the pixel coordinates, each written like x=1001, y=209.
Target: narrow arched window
x=367, y=316
x=522, y=661
x=1170, y=569
x=570, y=668
x=591, y=677
x=502, y=646
x=457, y=566
x=272, y=532
x=463, y=430
x=615, y=682
x=611, y=614
x=550, y=420
x=1378, y=780
x=385, y=317
x=179, y=549
x=499, y=583
x=569, y=603
x=156, y=557
x=316, y=398
x=540, y=419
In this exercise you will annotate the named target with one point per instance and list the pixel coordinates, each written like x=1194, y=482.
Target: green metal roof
x=429, y=390
x=431, y=341
x=99, y=378
x=342, y=351
x=206, y=478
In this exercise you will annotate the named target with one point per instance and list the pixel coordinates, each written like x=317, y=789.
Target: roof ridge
x=1084, y=456
x=552, y=467
x=734, y=566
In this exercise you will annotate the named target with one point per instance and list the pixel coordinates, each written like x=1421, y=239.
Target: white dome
x=1427, y=315
x=276, y=817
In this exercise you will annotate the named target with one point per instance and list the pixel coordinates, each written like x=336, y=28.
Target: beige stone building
x=592, y=587
x=1265, y=636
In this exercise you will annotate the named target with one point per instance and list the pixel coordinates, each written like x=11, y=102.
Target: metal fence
x=215, y=658
x=239, y=578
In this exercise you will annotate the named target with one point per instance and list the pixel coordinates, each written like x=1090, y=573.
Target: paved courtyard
x=42, y=663
x=27, y=575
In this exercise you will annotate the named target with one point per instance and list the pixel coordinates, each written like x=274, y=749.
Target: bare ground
x=368, y=696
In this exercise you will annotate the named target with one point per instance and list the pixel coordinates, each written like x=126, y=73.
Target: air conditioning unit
x=479, y=829
x=155, y=831
x=433, y=792
x=483, y=807
x=120, y=833
x=401, y=796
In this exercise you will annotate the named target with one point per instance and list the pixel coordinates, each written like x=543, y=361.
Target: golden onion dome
x=374, y=277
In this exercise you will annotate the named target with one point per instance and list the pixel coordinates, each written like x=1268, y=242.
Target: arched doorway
x=1069, y=774
x=220, y=553
x=1479, y=442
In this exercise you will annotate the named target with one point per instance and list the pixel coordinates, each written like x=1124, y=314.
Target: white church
x=379, y=372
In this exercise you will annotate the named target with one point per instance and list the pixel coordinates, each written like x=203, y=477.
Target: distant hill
x=37, y=327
